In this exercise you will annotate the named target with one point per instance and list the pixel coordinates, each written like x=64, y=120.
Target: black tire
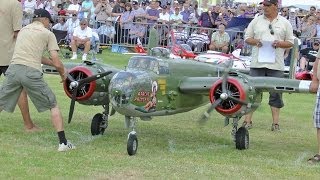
x=132, y=145
x=96, y=124
x=242, y=138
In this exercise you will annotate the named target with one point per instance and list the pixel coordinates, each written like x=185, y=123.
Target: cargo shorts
x=275, y=99
x=31, y=79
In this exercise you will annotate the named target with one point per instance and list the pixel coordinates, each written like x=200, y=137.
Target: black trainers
x=275, y=127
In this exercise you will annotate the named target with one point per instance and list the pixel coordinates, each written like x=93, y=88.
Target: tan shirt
x=31, y=44
x=10, y=21
x=220, y=39
x=259, y=29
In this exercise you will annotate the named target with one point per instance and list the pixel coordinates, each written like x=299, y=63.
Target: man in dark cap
x=25, y=72
x=274, y=29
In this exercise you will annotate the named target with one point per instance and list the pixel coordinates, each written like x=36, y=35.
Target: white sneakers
x=65, y=147
x=74, y=57
x=84, y=57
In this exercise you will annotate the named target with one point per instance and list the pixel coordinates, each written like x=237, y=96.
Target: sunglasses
x=316, y=44
x=83, y=24
x=267, y=5
x=284, y=11
x=271, y=29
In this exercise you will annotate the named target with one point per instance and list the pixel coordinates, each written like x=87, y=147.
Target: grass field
x=172, y=147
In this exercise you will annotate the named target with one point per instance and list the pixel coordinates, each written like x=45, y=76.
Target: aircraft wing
x=202, y=85
x=197, y=85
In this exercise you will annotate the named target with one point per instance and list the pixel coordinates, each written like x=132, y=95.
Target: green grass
x=171, y=147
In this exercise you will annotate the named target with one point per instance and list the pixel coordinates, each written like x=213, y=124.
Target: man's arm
x=55, y=61
x=315, y=81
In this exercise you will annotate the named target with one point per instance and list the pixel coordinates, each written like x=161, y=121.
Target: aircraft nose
x=121, y=88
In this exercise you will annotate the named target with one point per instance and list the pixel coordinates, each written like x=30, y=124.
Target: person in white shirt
x=39, y=4
x=164, y=16
x=29, y=6
x=81, y=36
x=61, y=25
x=72, y=23
x=50, y=5
x=73, y=8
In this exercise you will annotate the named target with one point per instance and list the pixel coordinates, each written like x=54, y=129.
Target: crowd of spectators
x=202, y=26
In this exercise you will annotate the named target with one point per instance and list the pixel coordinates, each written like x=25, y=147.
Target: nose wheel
x=132, y=144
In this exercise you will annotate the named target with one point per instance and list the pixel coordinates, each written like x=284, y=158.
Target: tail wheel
x=234, y=89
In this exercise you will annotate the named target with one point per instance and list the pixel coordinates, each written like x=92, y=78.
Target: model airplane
x=155, y=85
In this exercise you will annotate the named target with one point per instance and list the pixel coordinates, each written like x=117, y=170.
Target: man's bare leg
x=318, y=138
x=275, y=114
x=24, y=108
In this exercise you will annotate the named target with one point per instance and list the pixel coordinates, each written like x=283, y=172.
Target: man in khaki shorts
x=11, y=23
x=25, y=72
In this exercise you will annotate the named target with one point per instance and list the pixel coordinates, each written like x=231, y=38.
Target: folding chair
x=62, y=39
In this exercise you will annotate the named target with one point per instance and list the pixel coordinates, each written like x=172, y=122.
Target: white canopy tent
x=299, y=3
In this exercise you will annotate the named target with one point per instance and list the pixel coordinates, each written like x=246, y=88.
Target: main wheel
x=132, y=144
x=242, y=138
x=98, y=125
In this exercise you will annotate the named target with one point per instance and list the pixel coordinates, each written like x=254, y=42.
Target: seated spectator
x=61, y=25
x=106, y=32
x=176, y=17
x=137, y=30
x=220, y=40
x=180, y=35
x=308, y=57
x=72, y=23
x=238, y=42
x=81, y=36
x=199, y=40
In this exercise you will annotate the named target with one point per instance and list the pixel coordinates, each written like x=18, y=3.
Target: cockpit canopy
x=149, y=63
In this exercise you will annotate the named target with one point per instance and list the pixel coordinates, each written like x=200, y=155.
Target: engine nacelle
x=93, y=93
x=240, y=89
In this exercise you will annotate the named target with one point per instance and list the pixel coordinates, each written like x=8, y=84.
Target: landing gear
x=240, y=136
x=99, y=122
x=132, y=143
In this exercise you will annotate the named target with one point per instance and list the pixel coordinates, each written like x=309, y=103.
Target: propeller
x=79, y=84
x=225, y=95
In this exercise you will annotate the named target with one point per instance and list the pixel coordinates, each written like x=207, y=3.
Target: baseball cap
x=269, y=1
x=42, y=13
x=135, y=3
x=292, y=10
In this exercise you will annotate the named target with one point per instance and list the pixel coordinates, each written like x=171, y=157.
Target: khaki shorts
x=21, y=76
